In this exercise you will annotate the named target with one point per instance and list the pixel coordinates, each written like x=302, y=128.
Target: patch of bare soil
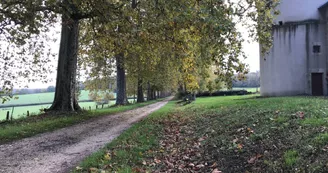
x=61, y=150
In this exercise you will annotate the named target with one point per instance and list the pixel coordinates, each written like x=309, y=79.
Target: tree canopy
x=162, y=45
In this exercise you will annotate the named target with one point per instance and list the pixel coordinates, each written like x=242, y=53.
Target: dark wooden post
x=28, y=113
x=90, y=108
x=7, y=118
x=96, y=106
x=102, y=106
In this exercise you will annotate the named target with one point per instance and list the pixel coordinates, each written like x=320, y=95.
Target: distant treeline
x=251, y=80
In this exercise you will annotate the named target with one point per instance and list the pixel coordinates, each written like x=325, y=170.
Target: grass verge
x=228, y=134
x=129, y=149
x=26, y=127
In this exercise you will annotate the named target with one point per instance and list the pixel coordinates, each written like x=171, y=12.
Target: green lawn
x=26, y=127
x=228, y=134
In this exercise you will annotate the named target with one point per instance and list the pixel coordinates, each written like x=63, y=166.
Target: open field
x=40, y=98
x=19, y=112
x=228, y=134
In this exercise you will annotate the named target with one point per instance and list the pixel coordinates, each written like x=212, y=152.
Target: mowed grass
x=228, y=134
x=26, y=127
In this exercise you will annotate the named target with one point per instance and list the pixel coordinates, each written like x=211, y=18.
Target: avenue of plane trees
x=152, y=46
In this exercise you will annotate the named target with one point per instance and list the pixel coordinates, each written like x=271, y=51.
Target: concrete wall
x=299, y=10
x=287, y=68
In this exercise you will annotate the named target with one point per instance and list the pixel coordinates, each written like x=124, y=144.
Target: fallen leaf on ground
x=253, y=159
x=191, y=165
x=93, y=170
x=300, y=114
x=200, y=166
x=157, y=161
x=216, y=171
x=250, y=130
x=107, y=156
x=213, y=165
x=144, y=162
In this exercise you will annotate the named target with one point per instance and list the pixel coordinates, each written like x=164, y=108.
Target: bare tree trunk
x=140, y=96
x=65, y=98
x=154, y=94
x=149, y=95
x=121, y=98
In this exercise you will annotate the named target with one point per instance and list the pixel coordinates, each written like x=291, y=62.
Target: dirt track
x=63, y=149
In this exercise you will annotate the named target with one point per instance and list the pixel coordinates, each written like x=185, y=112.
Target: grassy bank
x=228, y=134
x=33, y=125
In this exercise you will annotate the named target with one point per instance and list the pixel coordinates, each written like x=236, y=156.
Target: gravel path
x=63, y=149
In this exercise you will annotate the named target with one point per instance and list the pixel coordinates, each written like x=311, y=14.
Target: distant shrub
x=223, y=93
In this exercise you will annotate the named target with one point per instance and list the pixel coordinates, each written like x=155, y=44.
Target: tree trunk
x=154, y=94
x=140, y=96
x=149, y=96
x=121, y=98
x=65, y=98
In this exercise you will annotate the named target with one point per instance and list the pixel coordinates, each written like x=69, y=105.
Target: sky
x=253, y=55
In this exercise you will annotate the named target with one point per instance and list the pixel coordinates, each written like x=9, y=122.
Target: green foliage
x=164, y=43
x=178, y=45
x=27, y=34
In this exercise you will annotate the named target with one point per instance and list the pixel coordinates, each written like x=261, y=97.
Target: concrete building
x=297, y=63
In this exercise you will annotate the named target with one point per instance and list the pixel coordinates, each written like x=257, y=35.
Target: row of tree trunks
x=151, y=93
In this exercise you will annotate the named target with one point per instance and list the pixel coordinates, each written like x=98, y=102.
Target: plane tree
x=23, y=24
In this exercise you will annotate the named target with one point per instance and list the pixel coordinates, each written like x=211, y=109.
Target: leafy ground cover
x=223, y=134
x=26, y=127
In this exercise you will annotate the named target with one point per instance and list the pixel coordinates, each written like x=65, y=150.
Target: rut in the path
x=63, y=149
